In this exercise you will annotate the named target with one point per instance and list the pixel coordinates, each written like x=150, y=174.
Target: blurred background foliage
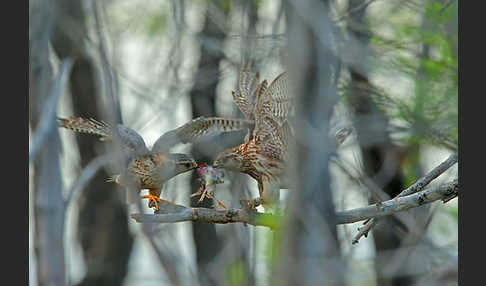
x=170, y=61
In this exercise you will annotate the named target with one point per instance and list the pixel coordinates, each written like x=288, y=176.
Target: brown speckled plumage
x=264, y=152
x=150, y=169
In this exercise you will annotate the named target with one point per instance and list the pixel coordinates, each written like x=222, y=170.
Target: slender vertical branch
x=308, y=257
x=114, y=113
x=102, y=227
x=47, y=122
x=203, y=103
x=48, y=210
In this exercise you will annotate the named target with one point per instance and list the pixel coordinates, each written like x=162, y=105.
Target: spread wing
x=245, y=97
x=130, y=141
x=87, y=126
x=272, y=138
x=275, y=101
x=272, y=129
x=197, y=128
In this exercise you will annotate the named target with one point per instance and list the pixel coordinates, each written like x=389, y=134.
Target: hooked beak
x=191, y=165
x=184, y=160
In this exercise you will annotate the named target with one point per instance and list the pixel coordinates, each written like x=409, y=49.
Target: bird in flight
x=264, y=153
x=150, y=169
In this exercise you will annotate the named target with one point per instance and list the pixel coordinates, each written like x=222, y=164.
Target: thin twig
x=86, y=175
x=180, y=213
x=425, y=180
x=361, y=179
x=415, y=187
x=47, y=122
x=114, y=114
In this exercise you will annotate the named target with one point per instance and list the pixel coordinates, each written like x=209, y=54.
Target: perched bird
x=264, y=153
x=150, y=169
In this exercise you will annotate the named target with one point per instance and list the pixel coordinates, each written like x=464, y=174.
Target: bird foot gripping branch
x=155, y=201
x=152, y=201
x=144, y=167
x=209, y=176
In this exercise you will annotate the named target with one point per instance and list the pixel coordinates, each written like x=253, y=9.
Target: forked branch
x=415, y=187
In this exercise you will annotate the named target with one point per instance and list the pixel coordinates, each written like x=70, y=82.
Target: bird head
x=182, y=162
x=229, y=159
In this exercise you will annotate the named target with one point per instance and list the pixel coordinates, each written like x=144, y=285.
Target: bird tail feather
x=87, y=126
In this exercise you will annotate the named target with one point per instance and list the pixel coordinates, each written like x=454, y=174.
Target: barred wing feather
x=130, y=141
x=197, y=128
x=249, y=88
x=275, y=101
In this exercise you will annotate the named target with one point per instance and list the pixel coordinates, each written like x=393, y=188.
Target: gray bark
x=202, y=97
x=171, y=214
x=49, y=206
x=382, y=159
x=310, y=257
x=102, y=226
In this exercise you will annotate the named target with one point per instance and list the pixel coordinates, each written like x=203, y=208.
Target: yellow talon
x=154, y=199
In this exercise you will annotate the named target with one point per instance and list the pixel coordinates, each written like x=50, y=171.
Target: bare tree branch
x=48, y=209
x=415, y=187
x=114, y=114
x=429, y=177
x=211, y=216
x=47, y=121
x=86, y=175
x=443, y=192
x=178, y=213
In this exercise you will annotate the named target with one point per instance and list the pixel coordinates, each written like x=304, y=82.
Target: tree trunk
x=203, y=97
x=382, y=160
x=102, y=226
x=310, y=252
x=49, y=207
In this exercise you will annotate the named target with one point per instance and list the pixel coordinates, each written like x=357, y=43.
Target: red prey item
x=209, y=176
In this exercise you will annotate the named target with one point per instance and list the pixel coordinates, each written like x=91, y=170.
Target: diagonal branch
x=47, y=121
x=86, y=175
x=444, y=192
x=178, y=213
x=425, y=180
x=415, y=187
